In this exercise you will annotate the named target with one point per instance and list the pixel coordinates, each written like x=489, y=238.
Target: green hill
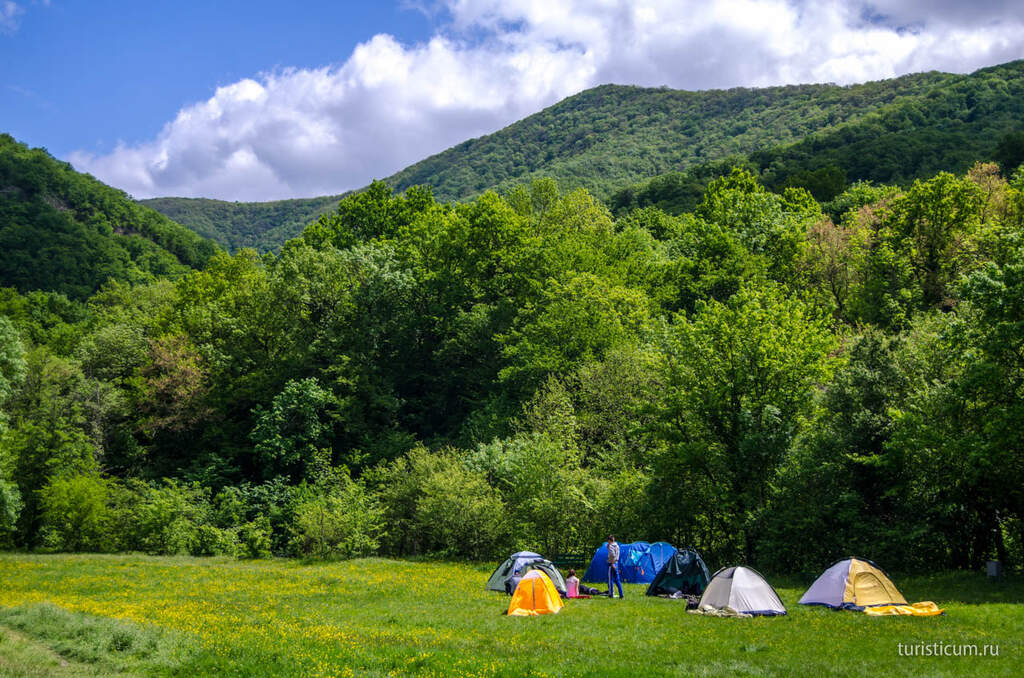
x=947, y=128
x=261, y=225
x=635, y=146
x=612, y=136
x=67, y=232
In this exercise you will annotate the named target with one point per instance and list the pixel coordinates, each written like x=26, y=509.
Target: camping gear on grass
x=925, y=609
x=534, y=595
x=524, y=561
x=740, y=590
x=685, y=572
x=639, y=562
x=712, y=611
x=853, y=584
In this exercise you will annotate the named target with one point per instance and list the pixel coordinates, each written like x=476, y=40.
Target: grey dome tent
x=685, y=572
x=744, y=590
x=524, y=561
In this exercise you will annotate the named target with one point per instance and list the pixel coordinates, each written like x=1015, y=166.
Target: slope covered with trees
x=263, y=226
x=611, y=136
x=753, y=377
x=637, y=147
x=949, y=128
x=67, y=232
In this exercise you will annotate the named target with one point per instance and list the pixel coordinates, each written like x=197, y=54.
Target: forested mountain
x=66, y=232
x=634, y=147
x=948, y=128
x=611, y=136
x=263, y=226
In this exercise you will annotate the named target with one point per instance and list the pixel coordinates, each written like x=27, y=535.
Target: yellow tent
x=867, y=585
x=534, y=595
x=853, y=583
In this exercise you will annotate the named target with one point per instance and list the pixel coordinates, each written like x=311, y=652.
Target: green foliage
x=262, y=226
x=843, y=488
x=738, y=378
x=611, y=136
x=290, y=437
x=434, y=504
x=574, y=323
x=76, y=514
x=764, y=378
x=1010, y=151
x=337, y=518
x=10, y=509
x=12, y=366
x=166, y=519
x=66, y=232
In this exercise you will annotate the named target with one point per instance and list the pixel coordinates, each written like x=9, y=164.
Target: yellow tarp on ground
x=867, y=585
x=535, y=594
x=925, y=609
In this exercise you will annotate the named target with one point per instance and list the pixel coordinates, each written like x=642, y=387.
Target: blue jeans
x=613, y=576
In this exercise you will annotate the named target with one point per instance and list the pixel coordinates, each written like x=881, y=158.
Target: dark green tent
x=685, y=572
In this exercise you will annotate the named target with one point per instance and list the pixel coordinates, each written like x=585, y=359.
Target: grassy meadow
x=88, y=615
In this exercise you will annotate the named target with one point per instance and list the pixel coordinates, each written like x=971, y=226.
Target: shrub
x=76, y=515
x=214, y=541
x=10, y=509
x=338, y=519
x=254, y=538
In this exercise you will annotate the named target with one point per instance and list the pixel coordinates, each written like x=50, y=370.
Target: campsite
x=374, y=617
x=632, y=338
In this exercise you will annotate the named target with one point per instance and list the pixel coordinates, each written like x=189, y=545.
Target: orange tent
x=534, y=595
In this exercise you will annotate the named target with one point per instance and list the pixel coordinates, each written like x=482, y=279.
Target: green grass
x=196, y=617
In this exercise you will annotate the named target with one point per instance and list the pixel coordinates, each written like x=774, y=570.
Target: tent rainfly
x=534, y=595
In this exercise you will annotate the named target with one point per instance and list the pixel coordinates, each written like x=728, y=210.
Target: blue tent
x=635, y=563
x=639, y=562
x=660, y=552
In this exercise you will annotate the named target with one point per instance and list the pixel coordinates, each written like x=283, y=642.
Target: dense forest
x=978, y=117
x=640, y=147
x=263, y=226
x=66, y=232
x=763, y=377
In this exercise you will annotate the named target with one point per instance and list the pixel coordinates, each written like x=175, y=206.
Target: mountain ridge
x=614, y=138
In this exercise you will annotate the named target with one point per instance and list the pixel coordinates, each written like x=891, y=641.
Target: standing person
x=613, y=567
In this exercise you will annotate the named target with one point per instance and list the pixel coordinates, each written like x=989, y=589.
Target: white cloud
x=301, y=132
x=9, y=16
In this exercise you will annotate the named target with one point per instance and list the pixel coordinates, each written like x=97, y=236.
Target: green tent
x=685, y=572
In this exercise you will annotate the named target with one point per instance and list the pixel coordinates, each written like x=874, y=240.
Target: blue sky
x=252, y=100
x=84, y=74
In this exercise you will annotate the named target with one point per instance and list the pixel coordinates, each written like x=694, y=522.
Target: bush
x=339, y=518
x=214, y=541
x=76, y=515
x=459, y=514
x=167, y=517
x=254, y=538
x=10, y=509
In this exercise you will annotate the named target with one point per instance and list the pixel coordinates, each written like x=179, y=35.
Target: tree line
x=765, y=378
